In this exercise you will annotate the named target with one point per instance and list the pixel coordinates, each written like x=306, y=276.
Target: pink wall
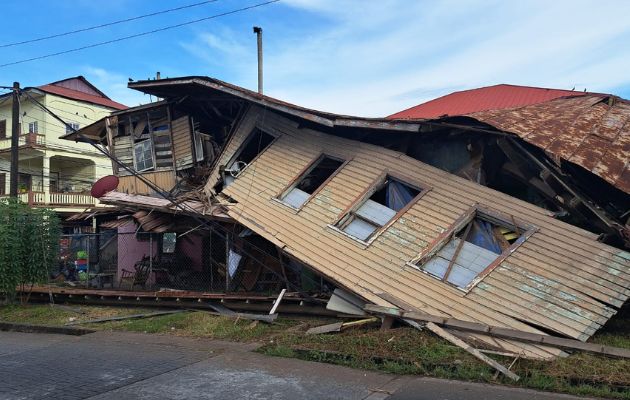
x=130, y=249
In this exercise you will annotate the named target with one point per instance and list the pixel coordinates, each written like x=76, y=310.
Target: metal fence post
x=150, y=259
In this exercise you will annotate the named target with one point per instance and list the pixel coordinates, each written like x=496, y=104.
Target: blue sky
x=368, y=58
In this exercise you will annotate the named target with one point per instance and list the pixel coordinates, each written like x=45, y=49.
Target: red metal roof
x=81, y=96
x=495, y=97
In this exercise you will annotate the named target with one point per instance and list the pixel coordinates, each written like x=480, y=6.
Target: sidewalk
x=106, y=365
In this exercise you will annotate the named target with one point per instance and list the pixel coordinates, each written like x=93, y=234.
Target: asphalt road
x=119, y=366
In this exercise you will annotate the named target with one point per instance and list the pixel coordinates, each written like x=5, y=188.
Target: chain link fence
x=218, y=260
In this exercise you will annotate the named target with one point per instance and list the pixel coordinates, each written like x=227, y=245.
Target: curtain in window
x=397, y=195
x=481, y=235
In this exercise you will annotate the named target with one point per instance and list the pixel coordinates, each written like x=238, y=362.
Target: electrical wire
x=39, y=39
x=89, y=46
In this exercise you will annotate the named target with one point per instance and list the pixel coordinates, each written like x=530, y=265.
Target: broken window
x=477, y=246
x=310, y=181
x=387, y=199
x=143, y=155
x=254, y=145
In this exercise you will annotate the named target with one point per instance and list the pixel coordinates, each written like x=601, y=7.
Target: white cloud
x=377, y=57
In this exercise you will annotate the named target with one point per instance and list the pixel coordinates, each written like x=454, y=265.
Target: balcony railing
x=54, y=199
x=25, y=140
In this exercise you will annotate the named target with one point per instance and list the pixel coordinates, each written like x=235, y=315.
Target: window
x=32, y=127
x=3, y=183
x=382, y=205
x=143, y=155
x=310, y=181
x=254, y=145
x=169, y=241
x=71, y=127
x=3, y=129
x=475, y=248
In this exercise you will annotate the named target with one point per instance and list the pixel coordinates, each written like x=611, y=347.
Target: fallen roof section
x=589, y=130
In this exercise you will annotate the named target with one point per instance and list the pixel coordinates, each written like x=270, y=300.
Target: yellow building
x=53, y=172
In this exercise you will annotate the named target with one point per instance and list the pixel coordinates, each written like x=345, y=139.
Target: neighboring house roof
x=495, y=97
x=79, y=88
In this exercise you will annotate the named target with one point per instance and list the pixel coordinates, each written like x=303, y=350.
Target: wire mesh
x=218, y=260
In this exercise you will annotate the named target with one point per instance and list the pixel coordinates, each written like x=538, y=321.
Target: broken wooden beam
x=499, y=332
x=475, y=352
x=339, y=326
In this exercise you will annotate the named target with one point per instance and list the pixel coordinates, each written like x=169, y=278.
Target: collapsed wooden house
x=435, y=216
x=396, y=231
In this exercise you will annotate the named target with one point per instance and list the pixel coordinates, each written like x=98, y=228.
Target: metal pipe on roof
x=258, y=32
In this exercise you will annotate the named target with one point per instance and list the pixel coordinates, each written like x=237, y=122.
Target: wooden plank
x=460, y=343
x=501, y=332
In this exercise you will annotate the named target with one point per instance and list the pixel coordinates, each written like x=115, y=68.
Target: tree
x=29, y=247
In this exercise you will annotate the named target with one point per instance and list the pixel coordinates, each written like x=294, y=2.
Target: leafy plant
x=29, y=247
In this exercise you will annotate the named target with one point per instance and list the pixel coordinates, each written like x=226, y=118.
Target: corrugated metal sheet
x=560, y=278
x=495, y=97
x=584, y=130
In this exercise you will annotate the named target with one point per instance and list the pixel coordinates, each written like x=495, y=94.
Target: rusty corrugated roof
x=588, y=130
x=495, y=97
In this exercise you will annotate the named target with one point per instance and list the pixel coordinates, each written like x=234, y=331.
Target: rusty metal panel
x=581, y=129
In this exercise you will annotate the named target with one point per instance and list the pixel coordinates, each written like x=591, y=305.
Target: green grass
x=401, y=350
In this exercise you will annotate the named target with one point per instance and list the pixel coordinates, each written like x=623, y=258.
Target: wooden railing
x=56, y=199
x=27, y=139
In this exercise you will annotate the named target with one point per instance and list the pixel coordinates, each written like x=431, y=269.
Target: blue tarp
x=397, y=195
x=481, y=235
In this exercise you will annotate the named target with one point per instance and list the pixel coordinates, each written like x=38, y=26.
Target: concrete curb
x=63, y=330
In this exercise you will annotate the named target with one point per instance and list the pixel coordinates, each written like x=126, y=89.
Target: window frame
x=74, y=125
x=344, y=218
x=486, y=214
x=245, y=142
x=35, y=127
x=3, y=129
x=306, y=170
x=151, y=148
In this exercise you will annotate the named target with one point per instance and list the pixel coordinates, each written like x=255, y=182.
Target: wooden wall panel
x=182, y=142
x=165, y=180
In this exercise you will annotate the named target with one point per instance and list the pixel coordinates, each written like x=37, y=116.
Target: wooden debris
x=460, y=343
x=499, y=332
x=226, y=312
x=336, y=327
x=277, y=302
x=339, y=326
x=124, y=317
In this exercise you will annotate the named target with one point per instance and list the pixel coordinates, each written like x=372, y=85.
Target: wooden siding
x=123, y=151
x=560, y=278
x=182, y=142
x=132, y=185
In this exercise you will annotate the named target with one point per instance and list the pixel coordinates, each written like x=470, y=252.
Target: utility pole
x=258, y=32
x=15, y=140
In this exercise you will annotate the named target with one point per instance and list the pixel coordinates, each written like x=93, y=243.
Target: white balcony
x=56, y=200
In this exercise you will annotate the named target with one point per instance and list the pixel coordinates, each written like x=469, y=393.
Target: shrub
x=29, y=247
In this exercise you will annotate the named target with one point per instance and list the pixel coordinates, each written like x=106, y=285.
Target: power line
x=139, y=34
x=39, y=39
